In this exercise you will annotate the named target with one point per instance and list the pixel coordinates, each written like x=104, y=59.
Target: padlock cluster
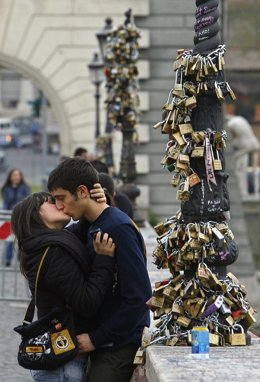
x=179, y=304
x=120, y=58
x=204, y=74
x=187, y=144
x=195, y=74
x=180, y=245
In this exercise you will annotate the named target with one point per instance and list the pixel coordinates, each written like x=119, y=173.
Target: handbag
x=48, y=342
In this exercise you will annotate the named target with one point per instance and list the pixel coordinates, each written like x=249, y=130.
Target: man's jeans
x=73, y=371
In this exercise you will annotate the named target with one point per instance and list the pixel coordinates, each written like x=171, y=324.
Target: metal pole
x=97, y=96
x=44, y=136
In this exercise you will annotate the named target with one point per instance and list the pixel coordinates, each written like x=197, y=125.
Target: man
x=117, y=329
x=245, y=143
x=83, y=153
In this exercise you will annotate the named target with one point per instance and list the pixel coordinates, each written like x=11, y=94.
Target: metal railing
x=13, y=285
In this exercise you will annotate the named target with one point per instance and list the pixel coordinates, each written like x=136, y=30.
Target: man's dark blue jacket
x=124, y=313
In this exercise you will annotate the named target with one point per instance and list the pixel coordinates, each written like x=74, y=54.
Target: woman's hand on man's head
x=98, y=193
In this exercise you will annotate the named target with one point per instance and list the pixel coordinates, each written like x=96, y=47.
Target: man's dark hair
x=79, y=151
x=100, y=166
x=72, y=173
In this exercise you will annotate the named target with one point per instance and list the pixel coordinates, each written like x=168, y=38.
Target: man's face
x=70, y=204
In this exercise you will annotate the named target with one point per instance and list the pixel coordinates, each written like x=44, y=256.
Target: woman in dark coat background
x=13, y=191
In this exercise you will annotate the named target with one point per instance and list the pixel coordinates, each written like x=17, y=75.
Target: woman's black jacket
x=66, y=277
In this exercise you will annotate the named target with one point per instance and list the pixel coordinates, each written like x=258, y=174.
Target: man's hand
x=85, y=344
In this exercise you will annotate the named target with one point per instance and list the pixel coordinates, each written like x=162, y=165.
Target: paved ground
x=236, y=364
x=164, y=364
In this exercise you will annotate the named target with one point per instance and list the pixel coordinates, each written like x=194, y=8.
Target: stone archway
x=52, y=42
x=41, y=82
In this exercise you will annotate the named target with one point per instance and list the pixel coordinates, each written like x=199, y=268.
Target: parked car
x=29, y=131
x=8, y=132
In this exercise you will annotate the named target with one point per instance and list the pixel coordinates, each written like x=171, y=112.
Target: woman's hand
x=98, y=193
x=104, y=245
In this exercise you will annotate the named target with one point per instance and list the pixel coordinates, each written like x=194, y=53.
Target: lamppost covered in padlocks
x=120, y=59
x=197, y=244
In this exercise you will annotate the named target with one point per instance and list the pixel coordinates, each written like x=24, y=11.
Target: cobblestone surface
x=164, y=364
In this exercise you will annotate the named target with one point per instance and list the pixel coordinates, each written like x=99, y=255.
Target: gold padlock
x=176, y=179
x=177, y=309
x=236, y=339
x=185, y=128
x=183, y=321
x=183, y=158
x=139, y=357
x=213, y=339
x=198, y=151
x=217, y=165
x=191, y=102
x=179, y=139
x=248, y=320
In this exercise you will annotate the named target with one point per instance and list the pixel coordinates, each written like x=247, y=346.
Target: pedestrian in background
x=13, y=191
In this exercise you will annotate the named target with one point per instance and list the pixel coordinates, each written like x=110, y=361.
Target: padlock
x=155, y=302
x=217, y=165
x=248, y=320
x=178, y=80
x=182, y=167
x=213, y=339
x=218, y=237
x=166, y=128
x=183, y=158
x=185, y=128
x=202, y=271
x=219, y=93
x=236, y=339
x=229, y=320
x=191, y=102
x=183, y=321
x=169, y=292
x=194, y=179
x=160, y=228
x=198, y=151
x=179, y=139
x=177, y=309
x=164, y=160
x=212, y=308
x=225, y=309
x=176, y=179
x=173, y=152
x=139, y=357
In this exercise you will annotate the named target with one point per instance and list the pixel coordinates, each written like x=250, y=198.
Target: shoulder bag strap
x=28, y=317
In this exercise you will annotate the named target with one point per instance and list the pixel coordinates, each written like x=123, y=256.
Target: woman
x=38, y=224
x=13, y=191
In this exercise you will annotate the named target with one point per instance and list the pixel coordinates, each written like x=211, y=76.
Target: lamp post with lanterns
x=107, y=141
x=96, y=71
x=120, y=62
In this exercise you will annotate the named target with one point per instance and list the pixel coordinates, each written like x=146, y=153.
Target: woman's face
x=16, y=177
x=52, y=217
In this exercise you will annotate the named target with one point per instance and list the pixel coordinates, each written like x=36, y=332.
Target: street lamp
x=103, y=35
x=96, y=71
